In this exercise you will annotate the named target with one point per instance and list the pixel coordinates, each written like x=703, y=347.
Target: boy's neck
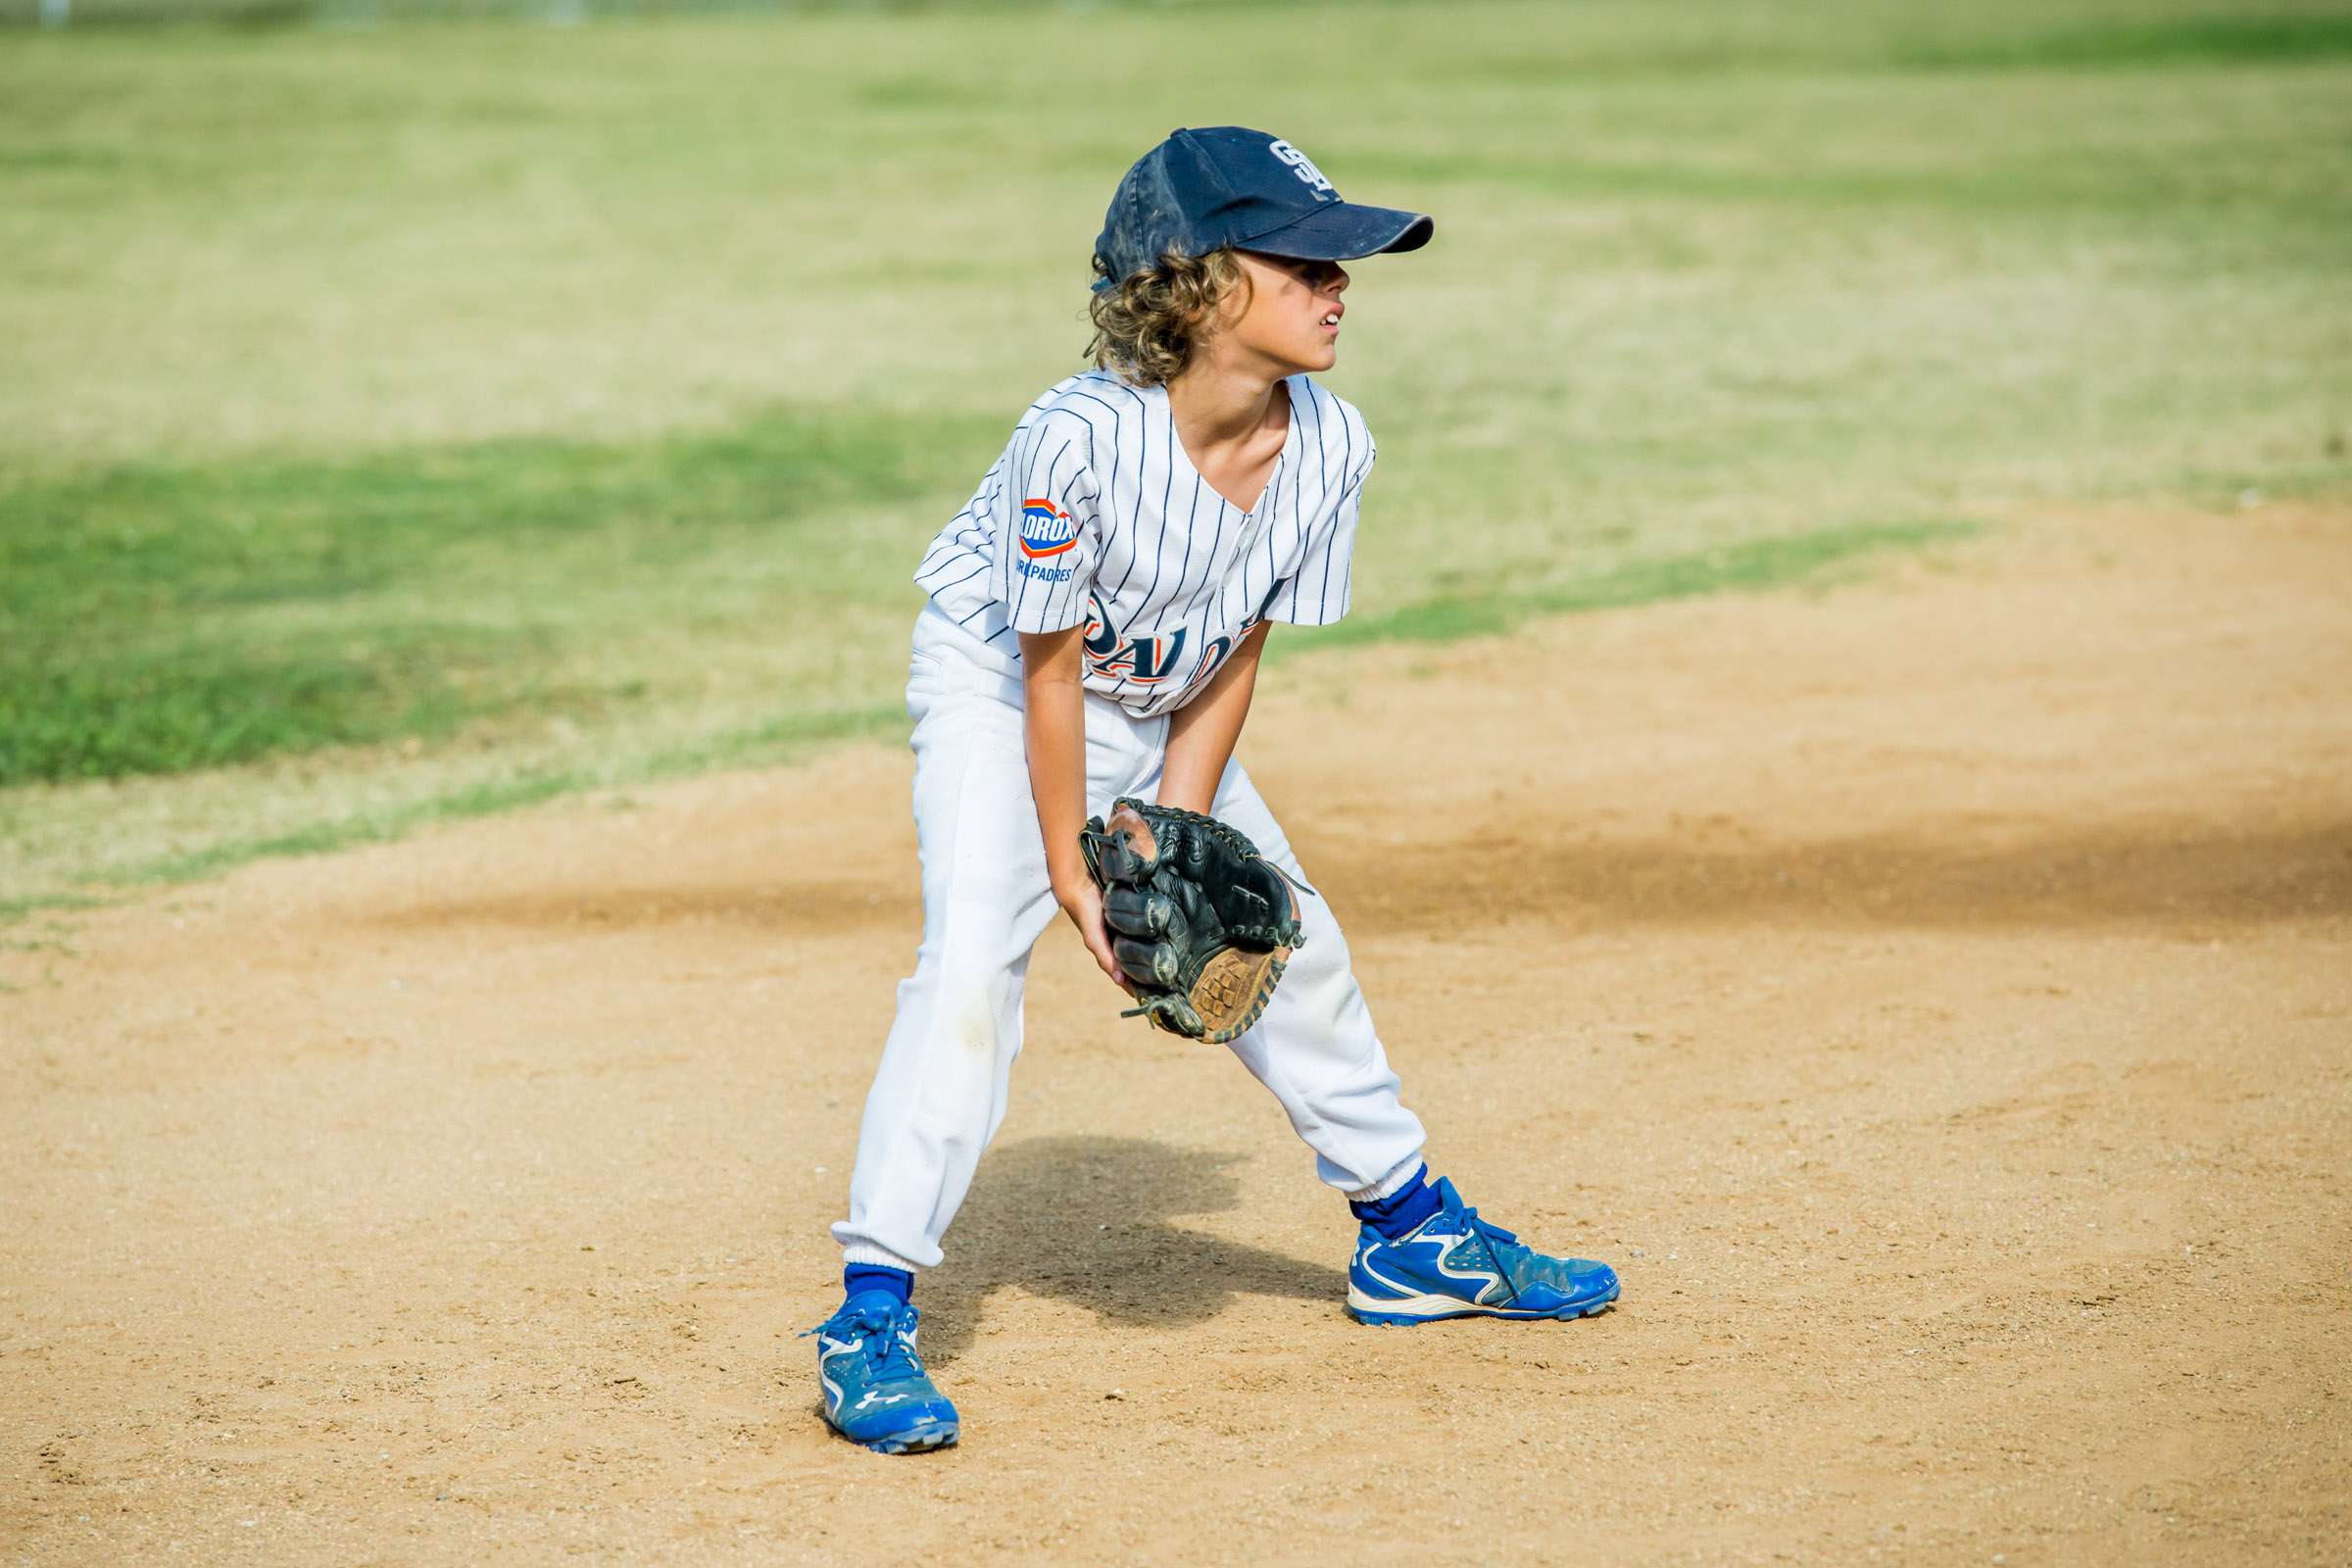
x=1217, y=403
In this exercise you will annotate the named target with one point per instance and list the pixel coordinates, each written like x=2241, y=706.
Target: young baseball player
x=1094, y=627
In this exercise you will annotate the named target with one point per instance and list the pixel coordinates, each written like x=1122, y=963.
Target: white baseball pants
x=939, y=1095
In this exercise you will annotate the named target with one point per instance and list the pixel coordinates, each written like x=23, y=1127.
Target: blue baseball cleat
x=876, y=1392
x=1454, y=1265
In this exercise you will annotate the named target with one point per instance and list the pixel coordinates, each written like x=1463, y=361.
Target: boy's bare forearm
x=1203, y=733
x=1054, y=727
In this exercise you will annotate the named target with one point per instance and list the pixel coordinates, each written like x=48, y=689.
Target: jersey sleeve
x=1317, y=593
x=1048, y=527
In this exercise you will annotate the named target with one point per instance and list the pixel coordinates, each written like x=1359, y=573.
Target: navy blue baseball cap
x=1202, y=190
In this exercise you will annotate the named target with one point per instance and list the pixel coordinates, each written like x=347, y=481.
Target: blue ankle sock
x=858, y=1278
x=1403, y=1210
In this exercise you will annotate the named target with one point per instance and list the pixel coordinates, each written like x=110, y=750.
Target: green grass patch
x=156, y=618
x=776, y=739
x=2216, y=38
x=1747, y=567
x=14, y=908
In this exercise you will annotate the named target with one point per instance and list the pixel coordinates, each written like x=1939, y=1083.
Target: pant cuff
x=872, y=1256
x=1389, y=1185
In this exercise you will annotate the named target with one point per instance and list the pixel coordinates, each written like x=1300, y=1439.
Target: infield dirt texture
x=1903, y=921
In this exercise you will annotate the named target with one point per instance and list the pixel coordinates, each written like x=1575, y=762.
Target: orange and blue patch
x=1046, y=529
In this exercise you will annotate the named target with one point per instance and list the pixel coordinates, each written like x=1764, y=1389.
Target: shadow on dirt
x=1090, y=1221
x=2160, y=876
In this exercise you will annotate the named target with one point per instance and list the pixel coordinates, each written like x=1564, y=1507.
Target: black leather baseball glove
x=1200, y=923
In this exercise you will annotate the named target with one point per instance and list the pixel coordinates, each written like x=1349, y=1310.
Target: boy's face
x=1289, y=312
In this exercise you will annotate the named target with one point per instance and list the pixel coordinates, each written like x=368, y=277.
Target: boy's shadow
x=1086, y=1220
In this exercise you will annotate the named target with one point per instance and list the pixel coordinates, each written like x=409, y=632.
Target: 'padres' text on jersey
x=1095, y=515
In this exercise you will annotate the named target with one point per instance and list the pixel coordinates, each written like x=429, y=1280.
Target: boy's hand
x=1083, y=903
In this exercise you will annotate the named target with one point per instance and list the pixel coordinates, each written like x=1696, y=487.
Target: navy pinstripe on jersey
x=1095, y=515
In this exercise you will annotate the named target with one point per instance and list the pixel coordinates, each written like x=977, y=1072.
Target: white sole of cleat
x=921, y=1440
x=1411, y=1310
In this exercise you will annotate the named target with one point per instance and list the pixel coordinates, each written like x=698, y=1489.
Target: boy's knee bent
x=975, y=1007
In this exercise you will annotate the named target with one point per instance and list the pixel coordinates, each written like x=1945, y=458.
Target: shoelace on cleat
x=885, y=1340
x=1495, y=1239
x=896, y=1356
x=1491, y=1231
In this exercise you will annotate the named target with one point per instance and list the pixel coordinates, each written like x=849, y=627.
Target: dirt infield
x=1934, y=995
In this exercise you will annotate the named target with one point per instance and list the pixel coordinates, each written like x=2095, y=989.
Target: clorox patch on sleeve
x=1046, y=529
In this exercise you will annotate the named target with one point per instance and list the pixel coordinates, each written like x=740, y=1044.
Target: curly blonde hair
x=1147, y=324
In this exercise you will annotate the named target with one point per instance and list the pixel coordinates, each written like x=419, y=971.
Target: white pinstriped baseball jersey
x=1095, y=514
